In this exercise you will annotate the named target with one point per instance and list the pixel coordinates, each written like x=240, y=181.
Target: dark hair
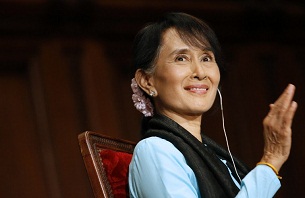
x=191, y=30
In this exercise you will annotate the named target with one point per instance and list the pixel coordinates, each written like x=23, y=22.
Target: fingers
x=280, y=116
x=277, y=128
x=283, y=103
x=288, y=117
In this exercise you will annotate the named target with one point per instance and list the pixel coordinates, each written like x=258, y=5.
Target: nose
x=198, y=70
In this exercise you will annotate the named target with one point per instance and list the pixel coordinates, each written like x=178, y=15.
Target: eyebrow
x=185, y=50
x=180, y=51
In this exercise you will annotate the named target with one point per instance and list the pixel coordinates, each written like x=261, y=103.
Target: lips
x=201, y=89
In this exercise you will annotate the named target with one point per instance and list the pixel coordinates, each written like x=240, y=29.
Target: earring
x=152, y=93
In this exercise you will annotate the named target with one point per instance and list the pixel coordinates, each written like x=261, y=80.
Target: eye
x=207, y=58
x=181, y=58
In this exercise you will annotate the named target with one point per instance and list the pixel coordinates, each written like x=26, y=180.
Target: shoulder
x=158, y=169
x=159, y=151
x=154, y=142
x=155, y=146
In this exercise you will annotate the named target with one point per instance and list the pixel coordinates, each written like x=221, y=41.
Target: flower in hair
x=141, y=102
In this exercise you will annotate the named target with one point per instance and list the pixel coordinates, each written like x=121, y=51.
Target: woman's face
x=186, y=78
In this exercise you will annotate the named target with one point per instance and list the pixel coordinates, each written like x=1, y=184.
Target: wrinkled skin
x=277, y=129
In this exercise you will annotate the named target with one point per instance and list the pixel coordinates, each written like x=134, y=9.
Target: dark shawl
x=212, y=175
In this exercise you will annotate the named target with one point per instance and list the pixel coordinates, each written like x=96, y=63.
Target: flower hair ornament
x=141, y=102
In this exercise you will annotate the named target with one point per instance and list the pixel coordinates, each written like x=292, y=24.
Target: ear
x=144, y=80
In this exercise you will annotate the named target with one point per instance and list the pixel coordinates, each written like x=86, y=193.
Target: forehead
x=194, y=40
x=171, y=39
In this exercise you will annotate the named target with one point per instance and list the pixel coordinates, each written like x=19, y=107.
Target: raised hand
x=277, y=129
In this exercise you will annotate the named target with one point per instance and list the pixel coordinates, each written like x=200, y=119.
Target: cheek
x=215, y=75
x=169, y=78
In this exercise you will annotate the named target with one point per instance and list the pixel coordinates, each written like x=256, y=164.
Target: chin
x=197, y=112
x=203, y=108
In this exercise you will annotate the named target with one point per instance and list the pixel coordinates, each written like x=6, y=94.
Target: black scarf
x=212, y=175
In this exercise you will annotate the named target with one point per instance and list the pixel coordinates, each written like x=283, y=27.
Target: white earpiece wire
x=225, y=133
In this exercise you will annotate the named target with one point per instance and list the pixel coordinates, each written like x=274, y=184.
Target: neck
x=191, y=123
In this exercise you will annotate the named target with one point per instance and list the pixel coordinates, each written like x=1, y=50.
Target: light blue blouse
x=158, y=169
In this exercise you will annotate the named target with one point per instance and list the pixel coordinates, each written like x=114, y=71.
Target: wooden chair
x=106, y=160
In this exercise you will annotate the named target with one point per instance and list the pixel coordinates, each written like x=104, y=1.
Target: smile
x=199, y=89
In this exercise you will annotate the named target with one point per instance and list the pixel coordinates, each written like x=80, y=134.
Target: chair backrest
x=106, y=160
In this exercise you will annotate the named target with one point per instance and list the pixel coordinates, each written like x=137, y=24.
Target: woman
x=178, y=73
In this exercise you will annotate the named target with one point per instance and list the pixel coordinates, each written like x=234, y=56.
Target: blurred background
x=65, y=67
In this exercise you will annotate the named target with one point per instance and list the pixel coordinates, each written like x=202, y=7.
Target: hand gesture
x=277, y=129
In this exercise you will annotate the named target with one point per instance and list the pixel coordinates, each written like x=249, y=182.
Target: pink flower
x=141, y=102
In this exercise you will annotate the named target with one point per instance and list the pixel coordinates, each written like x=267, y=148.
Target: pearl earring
x=152, y=93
